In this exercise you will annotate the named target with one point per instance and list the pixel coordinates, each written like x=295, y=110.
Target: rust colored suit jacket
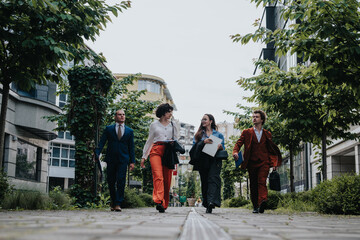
x=246, y=139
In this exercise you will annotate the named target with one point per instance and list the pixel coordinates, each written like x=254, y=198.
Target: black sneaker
x=256, y=210
x=262, y=207
x=160, y=207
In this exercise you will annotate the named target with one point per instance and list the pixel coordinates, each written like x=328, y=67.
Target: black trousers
x=211, y=182
x=116, y=178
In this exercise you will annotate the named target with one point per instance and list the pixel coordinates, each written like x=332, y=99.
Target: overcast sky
x=187, y=44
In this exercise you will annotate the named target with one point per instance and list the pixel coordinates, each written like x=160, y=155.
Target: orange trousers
x=161, y=176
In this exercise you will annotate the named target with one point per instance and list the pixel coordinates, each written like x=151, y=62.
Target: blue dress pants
x=116, y=178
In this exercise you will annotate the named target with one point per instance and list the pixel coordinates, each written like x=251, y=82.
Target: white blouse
x=159, y=133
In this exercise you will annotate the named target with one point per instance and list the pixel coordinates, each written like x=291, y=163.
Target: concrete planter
x=191, y=202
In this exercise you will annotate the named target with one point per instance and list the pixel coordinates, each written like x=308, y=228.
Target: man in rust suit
x=260, y=154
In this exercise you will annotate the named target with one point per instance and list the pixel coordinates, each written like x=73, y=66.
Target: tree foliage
x=325, y=32
x=319, y=99
x=38, y=36
x=89, y=87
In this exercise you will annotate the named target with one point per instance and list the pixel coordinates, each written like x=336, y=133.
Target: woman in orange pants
x=161, y=131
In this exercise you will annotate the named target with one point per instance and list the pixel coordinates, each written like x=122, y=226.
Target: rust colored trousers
x=258, y=189
x=161, y=176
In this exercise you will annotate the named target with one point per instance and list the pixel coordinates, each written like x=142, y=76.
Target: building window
x=62, y=155
x=28, y=158
x=62, y=99
x=150, y=86
x=318, y=178
x=41, y=92
x=65, y=135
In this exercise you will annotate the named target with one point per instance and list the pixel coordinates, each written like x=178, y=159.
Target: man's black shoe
x=256, y=210
x=262, y=207
x=160, y=207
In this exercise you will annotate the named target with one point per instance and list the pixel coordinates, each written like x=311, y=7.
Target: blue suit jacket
x=117, y=150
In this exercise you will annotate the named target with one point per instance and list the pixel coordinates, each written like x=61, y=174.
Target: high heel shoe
x=210, y=208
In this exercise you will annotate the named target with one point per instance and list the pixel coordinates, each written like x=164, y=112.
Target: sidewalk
x=176, y=223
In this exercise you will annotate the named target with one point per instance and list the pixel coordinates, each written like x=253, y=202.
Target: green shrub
x=21, y=199
x=298, y=202
x=147, y=199
x=132, y=199
x=59, y=199
x=235, y=202
x=274, y=198
x=4, y=185
x=225, y=203
x=340, y=195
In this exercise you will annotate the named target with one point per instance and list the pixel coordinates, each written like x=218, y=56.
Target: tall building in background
x=156, y=88
x=186, y=135
x=228, y=130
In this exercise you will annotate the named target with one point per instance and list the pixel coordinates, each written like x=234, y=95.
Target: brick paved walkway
x=176, y=223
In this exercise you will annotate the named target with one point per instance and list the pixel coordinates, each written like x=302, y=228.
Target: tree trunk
x=323, y=155
x=292, y=187
x=247, y=188
x=240, y=189
x=4, y=105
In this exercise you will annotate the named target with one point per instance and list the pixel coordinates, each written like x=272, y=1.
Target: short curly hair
x=262, y=115
x=162, y=109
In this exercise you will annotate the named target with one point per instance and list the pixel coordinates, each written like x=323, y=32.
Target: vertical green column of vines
x=88, y=103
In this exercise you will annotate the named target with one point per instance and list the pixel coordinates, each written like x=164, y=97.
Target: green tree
x=299, y=113
x=38, y=36
x=326, y=34
x=191, y=185
x=89, y=87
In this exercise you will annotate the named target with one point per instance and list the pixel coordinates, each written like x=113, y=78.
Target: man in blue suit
x=119, y=154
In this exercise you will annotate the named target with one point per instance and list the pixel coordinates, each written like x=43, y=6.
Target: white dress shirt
x=159, y=133
x=258, y=134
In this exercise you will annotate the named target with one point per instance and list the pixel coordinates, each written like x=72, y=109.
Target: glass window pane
x=60, y=134
x=55, y=162
x=64, y=163
x=68, y=136
x=72, y=154
x=26, y=159
x=64, y=153
x=71, y=163
x=141, y=85
x=66, y=146
x=56, y=152
x=62, y=97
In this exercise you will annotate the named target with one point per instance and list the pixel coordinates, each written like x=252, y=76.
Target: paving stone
x=147, y=223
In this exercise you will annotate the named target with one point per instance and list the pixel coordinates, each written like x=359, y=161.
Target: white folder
x=211, y=148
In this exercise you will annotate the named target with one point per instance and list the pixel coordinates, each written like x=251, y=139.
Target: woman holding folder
x=209, y=167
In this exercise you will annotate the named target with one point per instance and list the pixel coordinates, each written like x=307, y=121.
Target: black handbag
x=221, y=155
x=274, y=181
